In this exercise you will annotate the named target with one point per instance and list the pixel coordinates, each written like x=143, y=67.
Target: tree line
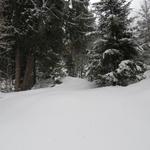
x=49, y=39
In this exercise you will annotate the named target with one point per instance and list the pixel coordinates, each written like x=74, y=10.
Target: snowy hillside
x=76, y=116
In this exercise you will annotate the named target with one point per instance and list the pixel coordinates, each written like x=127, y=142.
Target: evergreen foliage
x=115, y=42
x=37, y=26
x=79, y=22
x=7, y=43
x=128, y=72
x=45, y=40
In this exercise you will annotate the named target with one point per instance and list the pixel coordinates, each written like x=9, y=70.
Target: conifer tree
x=115, y=42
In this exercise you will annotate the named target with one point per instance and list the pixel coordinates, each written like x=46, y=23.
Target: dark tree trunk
x=34, y=71
x=28, y=75
x=17, y=71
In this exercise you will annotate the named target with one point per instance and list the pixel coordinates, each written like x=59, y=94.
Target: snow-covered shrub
x=128, y=72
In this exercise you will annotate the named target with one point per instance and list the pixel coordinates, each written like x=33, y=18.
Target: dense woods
x=45, y=40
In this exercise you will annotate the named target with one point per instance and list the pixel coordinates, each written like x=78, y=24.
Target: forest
x=74, y=74
x=46, y=40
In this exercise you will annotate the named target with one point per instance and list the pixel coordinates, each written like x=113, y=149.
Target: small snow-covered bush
x=128, y=72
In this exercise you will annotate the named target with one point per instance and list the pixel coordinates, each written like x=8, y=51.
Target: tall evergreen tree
x=115, y=42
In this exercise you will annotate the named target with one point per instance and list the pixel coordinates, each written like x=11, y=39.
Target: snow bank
x=75, y=116
x=71, y=83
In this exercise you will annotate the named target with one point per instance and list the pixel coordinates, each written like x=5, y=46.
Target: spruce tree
x=115, y=42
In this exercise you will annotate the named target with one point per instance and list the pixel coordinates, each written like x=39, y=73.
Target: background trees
x=7, y=43
x=42, y=40
x=79, y=22
x=143, y=30
x=37, y=26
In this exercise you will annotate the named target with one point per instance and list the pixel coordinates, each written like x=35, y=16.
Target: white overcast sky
x=135, y=3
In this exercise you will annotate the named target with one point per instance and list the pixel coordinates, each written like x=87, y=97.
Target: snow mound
x=71, y=83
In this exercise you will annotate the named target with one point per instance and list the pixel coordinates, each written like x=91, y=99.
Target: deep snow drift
x=75, y=116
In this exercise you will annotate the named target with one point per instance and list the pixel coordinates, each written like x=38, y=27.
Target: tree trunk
x=28, y=76
x=18, y=70
x=34, y=71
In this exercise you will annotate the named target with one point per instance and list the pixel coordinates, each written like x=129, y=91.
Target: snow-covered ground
x=76, y=116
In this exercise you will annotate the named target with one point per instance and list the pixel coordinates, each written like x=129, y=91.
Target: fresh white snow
x=76, y=116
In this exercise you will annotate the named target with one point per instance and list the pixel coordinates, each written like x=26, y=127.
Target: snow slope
x=76, y=116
